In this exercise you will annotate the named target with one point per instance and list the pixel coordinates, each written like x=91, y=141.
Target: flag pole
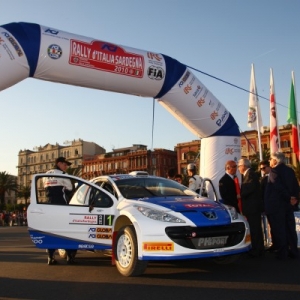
x=254, y=115
x=259, y=140
x=296, y=112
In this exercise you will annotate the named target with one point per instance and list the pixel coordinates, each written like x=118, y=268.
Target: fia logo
x=155, y=73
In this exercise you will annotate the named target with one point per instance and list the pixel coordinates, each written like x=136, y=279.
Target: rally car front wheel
x=126, y=253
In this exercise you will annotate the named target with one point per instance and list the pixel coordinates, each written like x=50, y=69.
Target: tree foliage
x=8, y=183
x=24, y=193
x=74, y=171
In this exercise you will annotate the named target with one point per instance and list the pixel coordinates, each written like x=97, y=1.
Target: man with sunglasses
x=264, y=167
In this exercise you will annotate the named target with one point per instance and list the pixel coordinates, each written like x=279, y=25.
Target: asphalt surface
x=24, y=274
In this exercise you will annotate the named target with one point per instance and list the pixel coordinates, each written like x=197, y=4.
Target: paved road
x=24, y=274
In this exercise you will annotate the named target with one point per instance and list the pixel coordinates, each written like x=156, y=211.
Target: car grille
x=211, y=237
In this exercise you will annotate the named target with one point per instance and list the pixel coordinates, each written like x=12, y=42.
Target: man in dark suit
x=281, y=195
x=252, y=206
x=227, y=186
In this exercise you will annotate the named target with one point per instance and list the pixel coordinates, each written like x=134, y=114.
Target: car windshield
x=146, y=187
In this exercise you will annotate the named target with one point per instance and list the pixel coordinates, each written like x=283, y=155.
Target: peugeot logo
x=211, y=215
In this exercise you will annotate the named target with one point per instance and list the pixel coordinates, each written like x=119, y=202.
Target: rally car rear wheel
x=126, y=253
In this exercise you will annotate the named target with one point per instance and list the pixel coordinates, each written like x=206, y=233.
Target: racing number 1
x=109, y=220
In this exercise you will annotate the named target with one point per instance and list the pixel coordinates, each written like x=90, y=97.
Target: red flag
x=292, y=119
x=274, y=134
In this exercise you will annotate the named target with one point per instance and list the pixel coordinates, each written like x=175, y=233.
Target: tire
x=226, y=259
x=126, y=253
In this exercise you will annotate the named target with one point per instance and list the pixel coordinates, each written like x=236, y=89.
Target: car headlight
x=233, y=213
x=158, y=215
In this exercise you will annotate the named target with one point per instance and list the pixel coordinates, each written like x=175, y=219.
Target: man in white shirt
x=194, y=179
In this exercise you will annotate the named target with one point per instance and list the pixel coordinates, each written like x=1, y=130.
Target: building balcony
x=287, y=149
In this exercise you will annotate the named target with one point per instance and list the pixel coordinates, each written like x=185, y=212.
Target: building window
x=285, y=144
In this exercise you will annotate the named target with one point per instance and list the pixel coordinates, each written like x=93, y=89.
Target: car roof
x=116, y=177
x=139, y=173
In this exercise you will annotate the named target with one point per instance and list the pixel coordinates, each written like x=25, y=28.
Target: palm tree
x=7, y=183
x=74, y=171
x=255, y=159
x=24, y=192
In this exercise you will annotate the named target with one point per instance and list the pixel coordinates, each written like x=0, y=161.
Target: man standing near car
x=195, y=180
x=252, y=204
x=227, y=186
x=57, y=192
x=281, y=197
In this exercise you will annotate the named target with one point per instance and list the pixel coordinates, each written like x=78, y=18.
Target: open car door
x=84, y=222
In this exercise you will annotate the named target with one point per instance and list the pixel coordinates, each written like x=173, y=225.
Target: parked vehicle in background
x=140, y=218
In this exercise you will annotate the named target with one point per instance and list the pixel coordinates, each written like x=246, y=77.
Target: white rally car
x=140, y=218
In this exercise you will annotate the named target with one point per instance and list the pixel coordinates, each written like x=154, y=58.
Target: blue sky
x=220, y=37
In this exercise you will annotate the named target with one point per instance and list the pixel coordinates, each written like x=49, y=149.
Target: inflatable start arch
x=32, y=50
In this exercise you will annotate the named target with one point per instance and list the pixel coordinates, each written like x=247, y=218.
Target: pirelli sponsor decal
x=153, y=246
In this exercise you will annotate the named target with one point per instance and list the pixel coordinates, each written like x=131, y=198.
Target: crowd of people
x=271, y=194
x=14, y=218
x=274, y=194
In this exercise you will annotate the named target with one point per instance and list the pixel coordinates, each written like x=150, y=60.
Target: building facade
x=94, y=161
x=189, y=152
x=125, y=160
x=41, y=159
x=250, y=143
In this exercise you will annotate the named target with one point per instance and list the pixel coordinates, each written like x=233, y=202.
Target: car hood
x=202, y=211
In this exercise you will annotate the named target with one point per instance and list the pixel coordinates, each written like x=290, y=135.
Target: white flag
x=254, y=115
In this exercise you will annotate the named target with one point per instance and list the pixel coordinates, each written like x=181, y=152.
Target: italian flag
x=292, y=119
